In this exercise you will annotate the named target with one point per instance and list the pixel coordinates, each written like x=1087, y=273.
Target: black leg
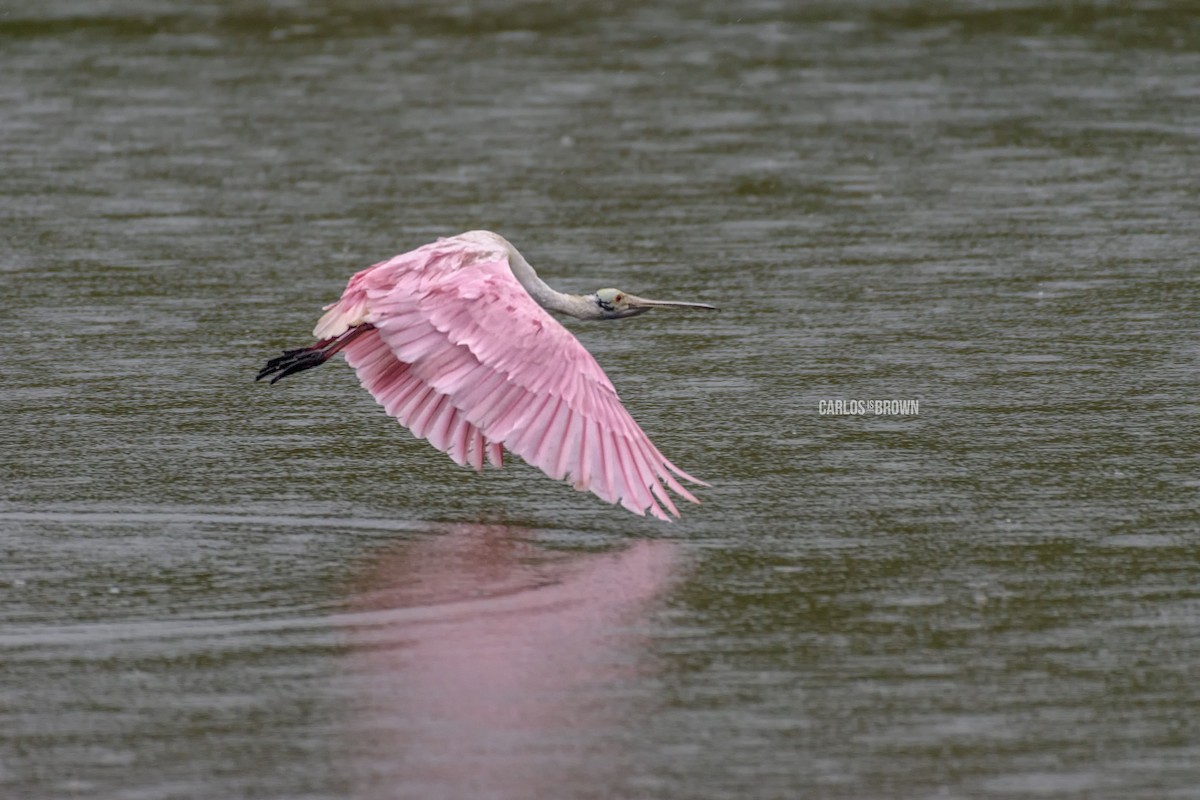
x=302, y=358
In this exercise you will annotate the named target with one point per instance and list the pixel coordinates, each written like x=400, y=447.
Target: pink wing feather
x=464, y=357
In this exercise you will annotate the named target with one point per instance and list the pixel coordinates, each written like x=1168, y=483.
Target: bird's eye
x=618, y=298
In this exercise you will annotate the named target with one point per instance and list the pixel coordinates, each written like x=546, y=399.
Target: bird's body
x=453, y=339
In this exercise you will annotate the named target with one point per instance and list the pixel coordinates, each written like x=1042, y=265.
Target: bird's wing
x=463, y=356
x=420, y=408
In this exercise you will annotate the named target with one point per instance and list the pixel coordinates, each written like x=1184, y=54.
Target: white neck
x=578, y=306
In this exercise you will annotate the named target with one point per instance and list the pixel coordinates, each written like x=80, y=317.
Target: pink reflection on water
x=487, y=666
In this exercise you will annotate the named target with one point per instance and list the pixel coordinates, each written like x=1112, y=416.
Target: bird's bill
x=642, y=302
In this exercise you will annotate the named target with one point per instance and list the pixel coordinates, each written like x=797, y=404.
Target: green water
x=212, y=588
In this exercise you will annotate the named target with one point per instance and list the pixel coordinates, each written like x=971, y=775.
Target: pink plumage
x=453, y=341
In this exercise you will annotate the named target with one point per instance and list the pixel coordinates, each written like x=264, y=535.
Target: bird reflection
x=485, y=665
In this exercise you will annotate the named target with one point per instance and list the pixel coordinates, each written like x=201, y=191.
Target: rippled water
x=212, y=588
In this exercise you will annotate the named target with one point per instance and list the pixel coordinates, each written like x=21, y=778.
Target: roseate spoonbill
x=454, y=340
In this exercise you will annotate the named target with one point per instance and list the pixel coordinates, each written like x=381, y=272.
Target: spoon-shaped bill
x=642, y=302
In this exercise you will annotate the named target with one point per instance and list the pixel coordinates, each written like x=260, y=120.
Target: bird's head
x=615, y=304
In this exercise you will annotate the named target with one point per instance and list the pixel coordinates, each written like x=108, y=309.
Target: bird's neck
x=575, y=305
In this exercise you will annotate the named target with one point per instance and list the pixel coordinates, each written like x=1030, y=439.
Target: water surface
x=212, y=588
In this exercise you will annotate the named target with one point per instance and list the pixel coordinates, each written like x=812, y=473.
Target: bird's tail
x=302, y=358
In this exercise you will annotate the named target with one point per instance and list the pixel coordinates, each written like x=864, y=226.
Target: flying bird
x=455, y=341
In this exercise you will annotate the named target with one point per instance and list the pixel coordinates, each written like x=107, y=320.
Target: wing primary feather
x=647, y=472
x=495, y=454
x=403, y=395
x=371, y=354
x=473, y=399
x=599, y=474
x=386, y=381
x=510, y=397
x=643, y=475
x=675, y=485
x=476, y=449
x=608, y=457
x=509, y=420
x=412, y=405
x=583, y=469
x=423, y=421
x=529, y=427
x=567, y=453
x=684, y=475
x=630, y=497
x=663, y=498
x=439, y=424
x=459, y=439
x=544, y=453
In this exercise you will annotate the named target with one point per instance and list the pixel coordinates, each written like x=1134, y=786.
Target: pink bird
x=454, y=340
